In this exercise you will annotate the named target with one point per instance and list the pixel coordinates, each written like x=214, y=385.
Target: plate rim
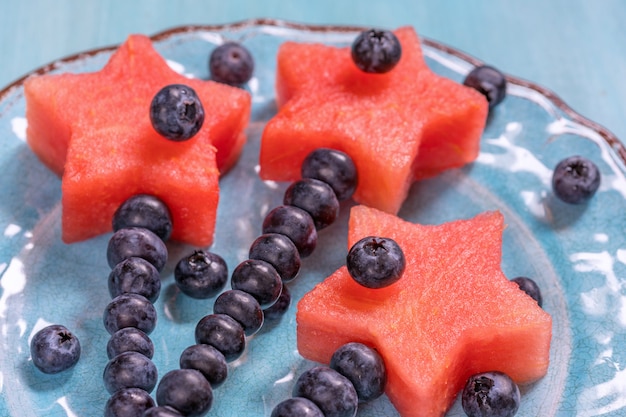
x=608, y=136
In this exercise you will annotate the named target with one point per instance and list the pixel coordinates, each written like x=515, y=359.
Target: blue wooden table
x=574, y=47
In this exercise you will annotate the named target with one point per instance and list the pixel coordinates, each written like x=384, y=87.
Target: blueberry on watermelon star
x=452, y=314
x=375, y=262
x=94, y=130
x=406, y=124
x=376, y=51
x=176, y=112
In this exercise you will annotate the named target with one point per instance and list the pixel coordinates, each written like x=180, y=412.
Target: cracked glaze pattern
x=576, y=254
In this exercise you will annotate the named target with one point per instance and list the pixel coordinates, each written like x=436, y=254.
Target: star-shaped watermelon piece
x=407, y=124
x=453, y=313
x=94, y=130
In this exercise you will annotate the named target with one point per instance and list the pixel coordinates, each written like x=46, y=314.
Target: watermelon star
x=452, y=314
x=407, y=124
x=93, y=129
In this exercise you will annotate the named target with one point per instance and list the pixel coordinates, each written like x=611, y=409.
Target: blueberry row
x=289, y=233
x=136, y=253
x=136, y=256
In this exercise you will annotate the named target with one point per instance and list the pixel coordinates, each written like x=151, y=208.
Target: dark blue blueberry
x=241, y=306
x=54, y=349
x=279, y=251
x=294, y=223
x=185, y=390
x=176, y=112
x=128, y=402
x=530, y=287
x=376, y=262
x=231, y=63
x=129, y=339
x=130, y=310
x=147, y=211
x=223, y=333
x=135, y=276
x=201, y=275
x=333, y=167
x=490, y=394
x=259, y=279
x=138, y=242
x=316, y=198
x=280, y=307
x=575, y=179
x=208, y=360
x=364, y=367
x=332, y=392
x=376, y=51
x=161, y=411
x=130, y=370
x=297, y=407
x=488, y=81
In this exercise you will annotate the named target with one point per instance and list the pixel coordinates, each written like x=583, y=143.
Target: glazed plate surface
x=577, y=254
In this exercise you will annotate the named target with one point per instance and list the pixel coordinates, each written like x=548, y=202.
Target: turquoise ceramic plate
x=576, y=253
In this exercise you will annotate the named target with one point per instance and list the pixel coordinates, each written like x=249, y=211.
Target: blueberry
x=259, y=279
x=280, y=307
x=530, y=287
x=176, y=112
x=185, y=390
x=206, y=359
x=376, y=262
x=279, y=251
x=54, y=349
x=241, y=306
x=128, y=402
x=488, y=81
x=231, y=63
x=297, y=407
x=129, y=370
x=294, y=223
x=333, y=167
x=161, y=411
x=129, y=339
x=223, y=333
x=490, y=394
x=332, y=392
x=139, y=242
x=376, y=51
x=575, y=179
x=364, y=367
x=135, y=276
x=147, y=211
x=316, y=198
x=201, y=275
x=130, y=310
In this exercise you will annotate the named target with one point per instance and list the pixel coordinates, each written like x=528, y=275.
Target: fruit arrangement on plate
x=147, y=153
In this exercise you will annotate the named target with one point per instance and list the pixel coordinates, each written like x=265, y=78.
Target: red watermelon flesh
x=400, y=126
x=94, y=130
x=452, y=314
